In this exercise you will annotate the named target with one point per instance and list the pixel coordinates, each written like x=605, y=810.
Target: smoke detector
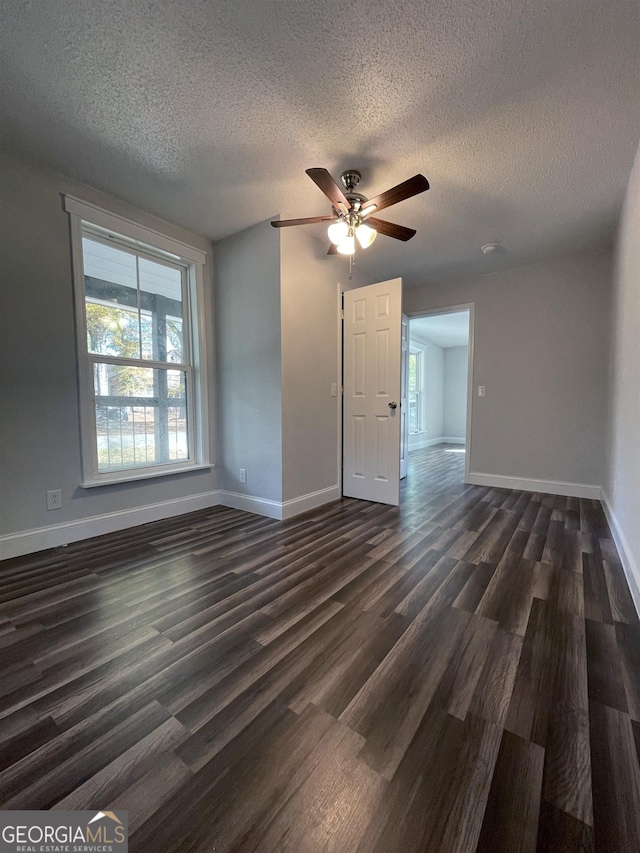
x=490, y=248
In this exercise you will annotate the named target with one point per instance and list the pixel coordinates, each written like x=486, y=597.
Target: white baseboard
x=55, y=535
x=280, y=509
x=430, y=442
x=631, y=569
x=249, y=503
x=295, y=506
x=547, y=487
x=41, y=538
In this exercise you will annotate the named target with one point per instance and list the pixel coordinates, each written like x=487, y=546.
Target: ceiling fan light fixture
x=365, y=234
x=337, y=231
x=347, y=246
x=350, y=211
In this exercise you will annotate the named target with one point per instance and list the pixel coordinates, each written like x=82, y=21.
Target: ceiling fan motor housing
x=351, y=179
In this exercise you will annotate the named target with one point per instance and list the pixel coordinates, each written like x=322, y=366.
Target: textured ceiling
x=444, y=330
x=523, y=114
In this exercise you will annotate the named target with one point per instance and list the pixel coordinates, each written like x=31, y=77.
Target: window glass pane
x=141, y=416
x=413, y=415
x=174, y=339
x=111, y=297
x=133, y=305
x=413, y=371
x=110, y=265
x=112, y=329
x=414, y=391
x=161, y=295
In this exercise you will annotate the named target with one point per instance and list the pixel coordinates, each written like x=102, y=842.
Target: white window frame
x=417, y=350
x=85, y=217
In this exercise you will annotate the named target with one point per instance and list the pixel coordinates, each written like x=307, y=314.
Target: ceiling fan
x=351, y=219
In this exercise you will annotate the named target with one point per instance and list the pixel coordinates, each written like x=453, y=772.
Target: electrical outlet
x=334, y=389
x=481, y=391
x=243, y=475
x=54, y=499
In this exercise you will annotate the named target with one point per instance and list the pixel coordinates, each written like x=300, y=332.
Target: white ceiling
x=444, y=330
x=523, y=114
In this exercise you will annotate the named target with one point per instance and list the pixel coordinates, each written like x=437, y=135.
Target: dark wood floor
x=461, y=673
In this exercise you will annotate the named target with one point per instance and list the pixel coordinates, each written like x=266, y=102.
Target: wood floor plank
x=604, y=664
x=628, y=644
x=334, y=682
x=492, y=696
x=471, y=594
x=123, y=771
x=616, y=779
x=567, y=592
x=152, y=791
x=412, y=592
x=511, y=818
x=559, y=832
x=596, y=595
x=334, y=793
x=459, y=673
x=442, y=806
x=531, y=699
x=567, y=763
x=622, y=607
x=460, y=679
x=48, y=786
x=388, y=709
x=227, y=796
x=508, y=597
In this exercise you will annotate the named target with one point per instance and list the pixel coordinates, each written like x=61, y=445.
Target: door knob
x=392, y=405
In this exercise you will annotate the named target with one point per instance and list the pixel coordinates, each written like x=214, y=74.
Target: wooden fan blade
x=415, y=185
x=325, y=182
x=390, y=229
x=284, y=223
x=333, y=250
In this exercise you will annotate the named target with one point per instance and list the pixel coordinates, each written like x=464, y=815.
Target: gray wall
x=433, y=390
x=248, y=358
x=541, y=350
x=277, y=354
x=40, y=441
x=310, y=292
x=456, y=363
x=622, y=485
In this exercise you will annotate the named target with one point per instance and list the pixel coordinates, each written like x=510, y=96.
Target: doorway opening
x=438, y=393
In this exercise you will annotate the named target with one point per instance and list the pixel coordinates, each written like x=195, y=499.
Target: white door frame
x=339, y=407
x=451, y=309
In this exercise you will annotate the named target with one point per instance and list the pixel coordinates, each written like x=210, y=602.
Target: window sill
x=131, y=475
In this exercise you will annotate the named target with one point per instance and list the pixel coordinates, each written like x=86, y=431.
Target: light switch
x=334, y=389
x=481, y=391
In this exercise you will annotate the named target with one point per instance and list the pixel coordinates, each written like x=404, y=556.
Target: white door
x=372, y=362
x=404, y=390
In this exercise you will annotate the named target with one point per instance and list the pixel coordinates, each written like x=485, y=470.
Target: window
x=415, y=390
x=142, y=383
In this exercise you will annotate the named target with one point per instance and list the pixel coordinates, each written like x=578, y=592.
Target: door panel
x=372, y=362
